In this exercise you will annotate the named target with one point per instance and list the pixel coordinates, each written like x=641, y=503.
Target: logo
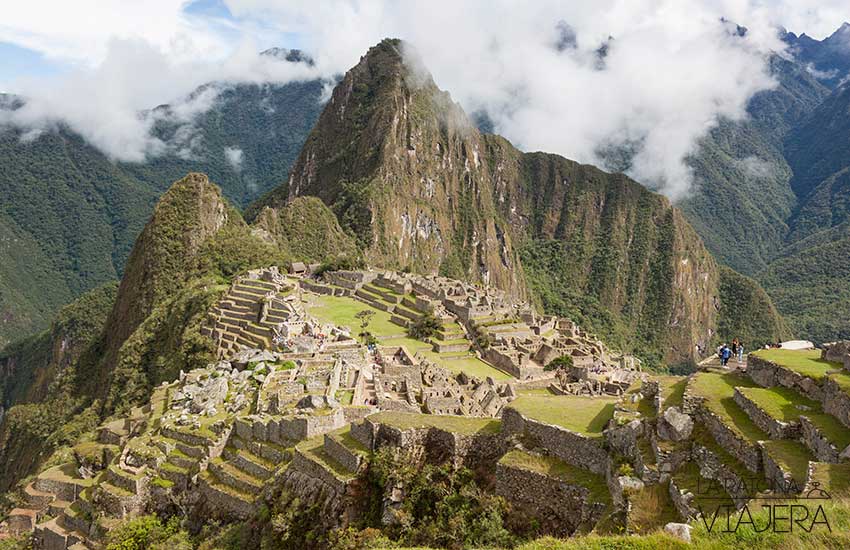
x=778, y=507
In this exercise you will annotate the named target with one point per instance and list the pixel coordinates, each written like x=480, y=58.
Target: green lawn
x=585, y=415
x=718, y=389
x=556, y=468
x=471, y=365
x=804, y=362
x=455, y=424
x=787, y=405
x=833, y=478
x=341, y=311
x=672, y=390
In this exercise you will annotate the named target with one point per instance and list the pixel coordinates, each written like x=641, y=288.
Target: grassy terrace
x=341, y=311
x=787, y=405
x=455, y=424
x=792, y=456
x=556, y=468
x=584, y=415
x=833, y=478
x=314, y=449
x=672, y=390
x=718, y=389
x=804, y=362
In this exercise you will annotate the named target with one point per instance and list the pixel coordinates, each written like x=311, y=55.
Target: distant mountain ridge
x=76, y=214
x=772, y=193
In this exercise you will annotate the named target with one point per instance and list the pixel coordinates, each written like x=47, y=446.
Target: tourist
x=735, y=346
x=740, y=353
x=725, y=354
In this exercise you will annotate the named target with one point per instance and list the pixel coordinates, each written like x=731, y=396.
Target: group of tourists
x=726, y=352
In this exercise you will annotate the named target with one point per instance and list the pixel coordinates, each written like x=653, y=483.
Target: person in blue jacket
x=725, y=354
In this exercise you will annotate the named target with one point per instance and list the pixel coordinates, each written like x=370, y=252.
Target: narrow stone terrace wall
x=561, y=508
x=576, y=449
x=768, y=374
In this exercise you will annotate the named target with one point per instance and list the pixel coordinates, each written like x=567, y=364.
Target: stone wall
x=776, y=429
x=768, y=374
x=779, y=480
x=823, y=449
x=712, y=467
x=682, y=501
x=836, y=401
x=576, y=449
x=559, y=507
x=749, y=454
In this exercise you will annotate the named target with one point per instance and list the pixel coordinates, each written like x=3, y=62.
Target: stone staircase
x=247, y=316
x=233, y=481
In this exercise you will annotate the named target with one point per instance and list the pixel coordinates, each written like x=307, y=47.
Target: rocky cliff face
x=404, y=169
x=421, y=188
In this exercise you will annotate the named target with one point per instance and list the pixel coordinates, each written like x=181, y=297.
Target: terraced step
x=311, y=459
x=230, y=502
x=36, y=498
x=786, y=414
x=63, y=481
x=266, y=450
x=56, y=507
x=125, y=480
x=235, y=478
x=175, y=474
x=786, y=465
x=451, y=346
x=345, y=450
x=51, y=535
x=168, y=445
x=21, y=520
x=250, y=463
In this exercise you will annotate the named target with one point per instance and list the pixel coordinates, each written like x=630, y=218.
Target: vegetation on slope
x=747, y=313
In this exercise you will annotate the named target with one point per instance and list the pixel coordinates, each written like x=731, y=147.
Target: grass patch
x=455, y=424
x=804, y=362
x=833, y=478
x=785, y=404
x=651, y=509
x=718, y=388
x=792, y=456
x=341, y=311
x=471, y=365
x=584, y=415
x=556, y=468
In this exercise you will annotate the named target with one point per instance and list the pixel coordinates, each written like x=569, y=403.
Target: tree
x=564, y=361
x=425, y=327
x=365, y=317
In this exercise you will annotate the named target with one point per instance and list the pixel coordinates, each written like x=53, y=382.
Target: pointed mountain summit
x=410, y=176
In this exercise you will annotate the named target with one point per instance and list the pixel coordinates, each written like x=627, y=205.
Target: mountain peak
x=292, y=56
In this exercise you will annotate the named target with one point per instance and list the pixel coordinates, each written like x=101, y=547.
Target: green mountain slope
x=73, y=215
x=743, y=197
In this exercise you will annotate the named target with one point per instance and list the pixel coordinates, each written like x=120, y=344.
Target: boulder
x=674, y=425
x=681, y=531
x=838, y=352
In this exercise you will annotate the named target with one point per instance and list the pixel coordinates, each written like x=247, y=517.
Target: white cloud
x=233, y=156
x=672, y=68
x=109, y=104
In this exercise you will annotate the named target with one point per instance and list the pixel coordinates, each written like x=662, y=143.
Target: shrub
x=425, y=327
x=564, y=361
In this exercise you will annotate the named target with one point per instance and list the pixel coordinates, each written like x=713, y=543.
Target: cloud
x=670, y=70
x=233, y=156
x=110, y=104
x=755, y=167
